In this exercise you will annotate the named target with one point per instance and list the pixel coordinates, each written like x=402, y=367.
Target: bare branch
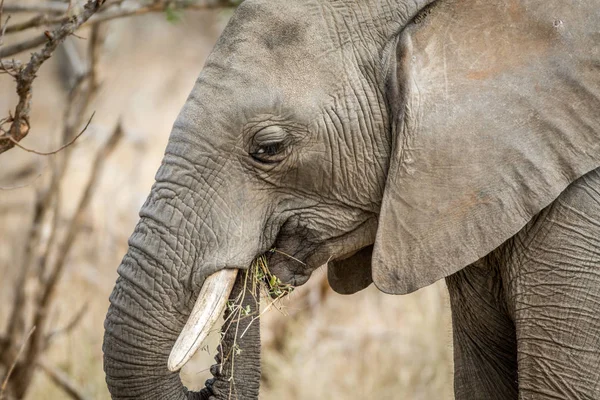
x=57, y=150
x=62, y=380
x=48, y=7
x=5, y=26
x=21, y=186
x=159, y=6
x=10, y=67
x=54, y=7
x=70, y=6
x=53, y=13
x=119, y=10
x=93, y=53
x=14, y=363
x=11, y=50
x=37, y=21
x=20, y=125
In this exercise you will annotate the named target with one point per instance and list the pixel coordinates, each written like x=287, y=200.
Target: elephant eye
x=268, y=145
x=269, y=153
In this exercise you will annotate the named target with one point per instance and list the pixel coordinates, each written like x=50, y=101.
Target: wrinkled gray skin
x=399, y=144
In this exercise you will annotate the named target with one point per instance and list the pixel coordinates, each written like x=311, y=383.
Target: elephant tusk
x=208, y=308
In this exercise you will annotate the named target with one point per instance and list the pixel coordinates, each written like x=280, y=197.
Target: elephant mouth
x=293, y=263
x=210, y=305
x=295, y=258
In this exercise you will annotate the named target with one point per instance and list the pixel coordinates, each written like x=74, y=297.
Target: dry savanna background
x=65, y=219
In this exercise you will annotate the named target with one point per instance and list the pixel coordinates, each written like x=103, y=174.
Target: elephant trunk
x=141, y=329
x=159, y=280
x=182, y=241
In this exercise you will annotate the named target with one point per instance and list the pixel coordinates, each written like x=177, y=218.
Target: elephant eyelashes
x=268, y=145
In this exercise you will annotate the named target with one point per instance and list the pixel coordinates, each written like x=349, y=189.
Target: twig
x=8, y=66
x=24, y=185
x=3, y=27
x=41, y=153
x=93, y=53
x=67, y=26
x=20, y=125
x=160, y=6
x=22, y=46
x=14, y=363
x=267, y=308
x=54, y=7
x=37, y=21
x=62, y=380
x=70, y=7
x=117, y=11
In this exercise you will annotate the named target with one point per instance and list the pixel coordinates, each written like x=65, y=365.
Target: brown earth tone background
x=320, y=345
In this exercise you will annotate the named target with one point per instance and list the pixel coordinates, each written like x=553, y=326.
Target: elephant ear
x=351, y=274
x=500, y=113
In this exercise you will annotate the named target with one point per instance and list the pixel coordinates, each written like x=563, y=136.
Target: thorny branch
x=25, y=76
x=56, y=7
x=112, y=10
x=46, y=270
x=48, y=200
x=58, y=14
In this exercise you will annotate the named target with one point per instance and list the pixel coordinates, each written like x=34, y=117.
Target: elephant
x=399, y=143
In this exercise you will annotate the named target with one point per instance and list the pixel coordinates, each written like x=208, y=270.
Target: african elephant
x=400, y=142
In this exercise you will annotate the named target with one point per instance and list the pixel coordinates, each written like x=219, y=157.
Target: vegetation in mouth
x=274, y=287
x=258, y=281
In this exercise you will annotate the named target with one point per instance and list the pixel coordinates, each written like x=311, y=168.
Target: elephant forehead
x=280, y=58
x=287, y=45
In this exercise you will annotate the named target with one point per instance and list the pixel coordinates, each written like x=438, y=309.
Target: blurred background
x=65, y=220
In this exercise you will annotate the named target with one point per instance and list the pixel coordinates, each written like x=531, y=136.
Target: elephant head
x=396, y=149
